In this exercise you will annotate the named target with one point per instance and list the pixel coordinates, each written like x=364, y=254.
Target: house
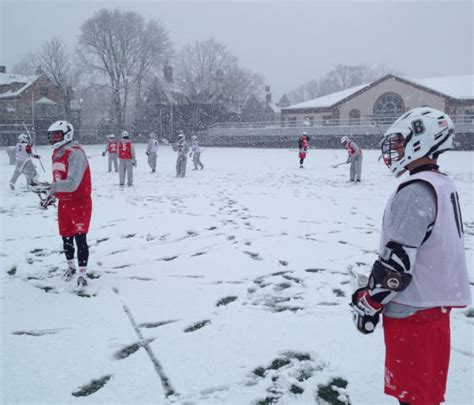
x=385, y=99
x=31, y=100
x=267, y=111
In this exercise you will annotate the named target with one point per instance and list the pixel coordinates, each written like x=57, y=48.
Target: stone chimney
x=3, y=69
x=168, y=73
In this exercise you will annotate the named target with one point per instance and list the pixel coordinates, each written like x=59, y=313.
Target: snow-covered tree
x=55, y=61
x=209, y=73
x=124, y=48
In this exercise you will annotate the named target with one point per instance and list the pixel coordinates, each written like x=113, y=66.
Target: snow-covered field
x=228, y=286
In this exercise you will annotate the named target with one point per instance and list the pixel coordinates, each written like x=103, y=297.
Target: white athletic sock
x=82, y=271
x=71, y=264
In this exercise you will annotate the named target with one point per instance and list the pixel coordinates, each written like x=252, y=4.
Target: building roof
x=459, y=87
x=46, y=100
x=11, y=79
x=274, y=108
x=328, y=100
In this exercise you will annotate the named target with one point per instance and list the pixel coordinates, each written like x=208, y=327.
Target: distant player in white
x=112, y=149
x=421, y=272
x=24, y=164
x=183, y=149
x=354, y=157
x=196, y=153
x=151, y=151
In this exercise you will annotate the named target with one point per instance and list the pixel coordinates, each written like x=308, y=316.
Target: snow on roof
x=274, y=108
x=46, y=100
x=461, y=87
x=10, y=79
x=453, y=86
x=328, y=100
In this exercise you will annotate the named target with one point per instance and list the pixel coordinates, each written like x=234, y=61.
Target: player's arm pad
x=392, y=272
x=387, y=278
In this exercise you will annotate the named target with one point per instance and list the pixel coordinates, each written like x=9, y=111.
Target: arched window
x=388, y=105
x=354, y=117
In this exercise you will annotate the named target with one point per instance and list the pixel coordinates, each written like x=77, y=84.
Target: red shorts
x=302, y=155
x=417, y=356
x=74, y=217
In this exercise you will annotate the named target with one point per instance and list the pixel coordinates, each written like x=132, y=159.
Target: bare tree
x=340, y=78
x=155, y=49
x=208, y=73
x=55, y=61
x=305, y=92
x=123, y=48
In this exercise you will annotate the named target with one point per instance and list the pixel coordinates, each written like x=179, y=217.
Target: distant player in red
x=303, y=144
x=354, y=157
x=421, y=272
x=72, y=187
x=112, y=149
x=127, y=159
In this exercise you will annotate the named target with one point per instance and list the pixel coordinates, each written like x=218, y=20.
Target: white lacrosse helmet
x=194, y=137
x=181, y=137
x=125, y=135
x=112, y=136
x=60, y=133
x=344, y=139
x=23, y=138
x=421, y=132
x=152, y=135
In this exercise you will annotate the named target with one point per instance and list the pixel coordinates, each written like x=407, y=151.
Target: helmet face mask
x=60, y=133
x=55, y=136
x=344, y=140
x=393, y=149
x=421, y=132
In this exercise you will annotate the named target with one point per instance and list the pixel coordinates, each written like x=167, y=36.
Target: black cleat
x=69, y=274
x=81, y=281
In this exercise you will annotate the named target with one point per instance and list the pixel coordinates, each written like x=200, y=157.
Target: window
x=354, y=117
x=44, y=91
x=387, y=107
x=292, y=121
x=309, y=120
x=327, y=119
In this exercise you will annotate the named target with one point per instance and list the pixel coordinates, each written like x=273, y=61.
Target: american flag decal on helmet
x=443, y=123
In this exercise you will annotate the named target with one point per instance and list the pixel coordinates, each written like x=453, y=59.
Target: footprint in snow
x=197, y=325
x=36, y=333
x=92, y=387
x=287, y=375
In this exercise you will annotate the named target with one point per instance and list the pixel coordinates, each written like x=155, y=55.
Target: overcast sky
x=288, y=42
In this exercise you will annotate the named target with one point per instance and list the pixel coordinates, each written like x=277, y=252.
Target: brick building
x=31, y=100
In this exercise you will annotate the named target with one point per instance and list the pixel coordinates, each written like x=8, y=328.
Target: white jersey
x=21, y=151
x=195, y=147
x=152, y=146
x=440, y=275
